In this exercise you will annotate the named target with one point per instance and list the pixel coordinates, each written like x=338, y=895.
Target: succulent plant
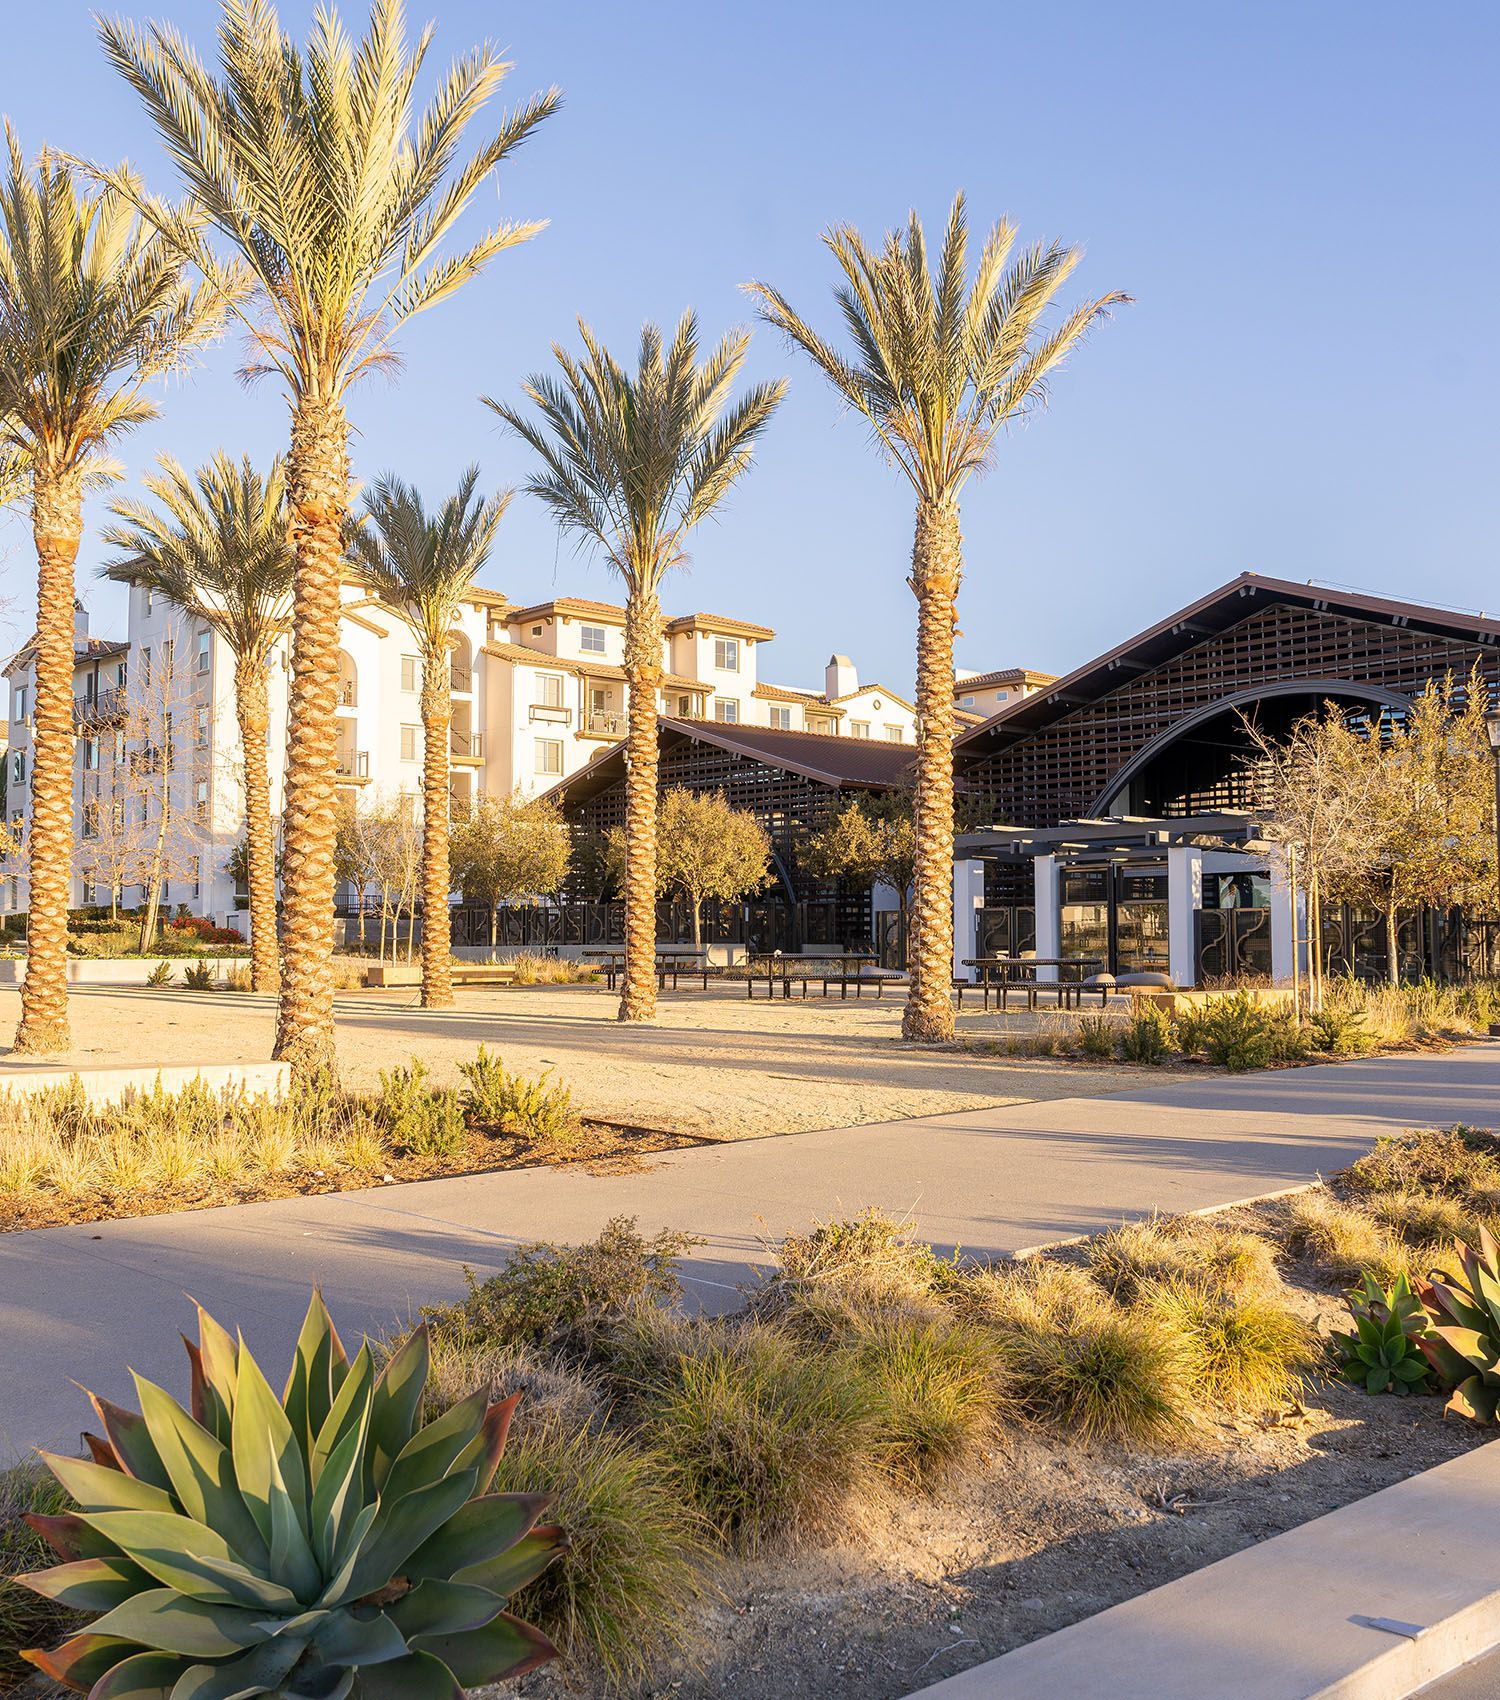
x=1462, y=1337
x=1383, y=1350
x=318, y=1546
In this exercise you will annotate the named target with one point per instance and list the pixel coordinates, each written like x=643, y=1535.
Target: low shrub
x=1243, y=1350
x=237, y=978
x=542, y=1111
x=566, y=1297
x=1339, y=1031
x=770, y=1441
x=1455, y=1162
x=550, y=971
x=869, y=1257
x=27, y=1619
x=199, y=977
x=160, y=974
x=434, y=1125
x=484, y=1086
x=1166, y=1248
x=1095, y=1036
x=1147, y=1036
x=1343, y=1241
x=398, y=1103
x=1240, y=1033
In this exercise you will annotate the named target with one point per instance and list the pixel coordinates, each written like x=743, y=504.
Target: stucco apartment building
x=538, y=694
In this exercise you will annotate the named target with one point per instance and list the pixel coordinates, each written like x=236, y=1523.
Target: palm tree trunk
x=937, y=565
x=318, y=488
x=642, y=680
x=437, y=922
x=57, y=525
x=252, y=708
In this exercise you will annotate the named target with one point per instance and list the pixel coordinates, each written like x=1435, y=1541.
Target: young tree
x=314, y=166
x=1429, y=838
x=871, y=839
x=93, y=307
x=111, y=846
x=510, y=848
x=1313, y=790
x=942, y=364
x=421, y=565
x=631, y=463
x=216, y=544
x=707, y=849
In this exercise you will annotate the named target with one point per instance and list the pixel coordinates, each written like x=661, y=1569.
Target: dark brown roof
x=1208, y=616
x=844, y=763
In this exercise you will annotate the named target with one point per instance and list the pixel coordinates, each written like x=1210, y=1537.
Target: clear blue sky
x=1301, y=198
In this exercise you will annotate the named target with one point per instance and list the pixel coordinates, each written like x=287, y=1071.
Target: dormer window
x=727, y=654
x=591, y=640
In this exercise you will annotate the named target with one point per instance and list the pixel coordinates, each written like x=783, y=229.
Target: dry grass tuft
x=1342, y=1240
x=1164, y=1248
x=1244, y=1350
x=1455, y=1162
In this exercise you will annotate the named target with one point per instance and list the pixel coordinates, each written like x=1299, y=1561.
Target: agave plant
x=321, y=1545
x=1462, y=1338
x=1383, y=1350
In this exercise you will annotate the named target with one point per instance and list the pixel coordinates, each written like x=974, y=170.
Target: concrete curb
x=1205, y=1210
x=1296, y=1617
x=110, y=1085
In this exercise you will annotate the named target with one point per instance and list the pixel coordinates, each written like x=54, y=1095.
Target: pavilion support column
x=1288, y=950
x=968, y=900
x=1047, y=896
x=1184, y=900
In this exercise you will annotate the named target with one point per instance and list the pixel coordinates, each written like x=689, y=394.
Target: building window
x=90, y=820
x=781, y=718
x=859, y=728
x=195, y=871
x=202, y=802
x=20, y=702
x=18, y=767
x=590, y=639
x=727, y=711
x=894, y=734
x=1002, y=696
x=727, y=654
x=148, y=597
x=549, y=755
x=411, y=673
x=146, y=668
x=204, y=643
x=90, y=755
x=411, y=745
x=968, y=702
x=549, y=690
x=119, y=749
x=200, y=730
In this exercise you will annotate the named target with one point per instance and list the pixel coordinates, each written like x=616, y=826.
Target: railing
x=463, y=679
x=108, y=705
x=466, y=743
x=352, y=764
x=553, y=712
x=606, y=724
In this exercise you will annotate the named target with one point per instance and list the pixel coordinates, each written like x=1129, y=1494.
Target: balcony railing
x=554, y=713
x=348, y=694
x=467, y=746
x=108, y=705
x=352, y=764
x=606, y=723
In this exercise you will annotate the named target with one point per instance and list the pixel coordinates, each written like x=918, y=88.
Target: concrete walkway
x=83, y=1302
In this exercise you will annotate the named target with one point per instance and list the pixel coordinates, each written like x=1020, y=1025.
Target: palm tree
x=217, y=544
x=631, y=464
x=314, y=166
x=421, y=565
x=93, y=306
x=941, y=365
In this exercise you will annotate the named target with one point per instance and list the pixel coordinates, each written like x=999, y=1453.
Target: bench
x=879, y=978
x=392, y=974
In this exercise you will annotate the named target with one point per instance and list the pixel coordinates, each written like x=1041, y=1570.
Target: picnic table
x=1005, y=974
x=673, y=962
x=777, y=965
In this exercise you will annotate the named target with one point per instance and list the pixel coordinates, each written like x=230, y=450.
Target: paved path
x=82, y=1302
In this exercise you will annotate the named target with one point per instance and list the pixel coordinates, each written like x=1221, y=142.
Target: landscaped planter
x=114, y=970
x=1174, y=1003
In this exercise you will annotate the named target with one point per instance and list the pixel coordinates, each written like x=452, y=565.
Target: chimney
x=80, y=625
x=839, y=677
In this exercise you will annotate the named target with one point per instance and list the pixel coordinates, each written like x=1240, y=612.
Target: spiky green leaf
x=164, y=1619
x=200, y=1470
x=503, y=1650
x=480, y=1530
x=419, y=1676
x=88, y=1584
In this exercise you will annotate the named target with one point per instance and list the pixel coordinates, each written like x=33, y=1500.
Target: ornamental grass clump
x=769, y=1441
x=1095, y=1036
x=306, y=1546
x=1147, y=1036
x=1081, y=1362
x=1243, y=1350
x=1172, y=1247
x=870, y=1257
x=27, y=1619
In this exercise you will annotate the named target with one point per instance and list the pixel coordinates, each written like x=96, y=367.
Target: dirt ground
x=1045, y=1534
x=715, y=1064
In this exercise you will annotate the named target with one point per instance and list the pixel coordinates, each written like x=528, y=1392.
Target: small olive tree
x=706, y=848
x=870, y=840
x=509, y=848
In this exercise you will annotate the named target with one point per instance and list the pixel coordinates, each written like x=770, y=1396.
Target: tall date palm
x=942, y=362
x=93, y=306
x=216, y=542
x=421, y=565
x=631, y=462
x=313, y=164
